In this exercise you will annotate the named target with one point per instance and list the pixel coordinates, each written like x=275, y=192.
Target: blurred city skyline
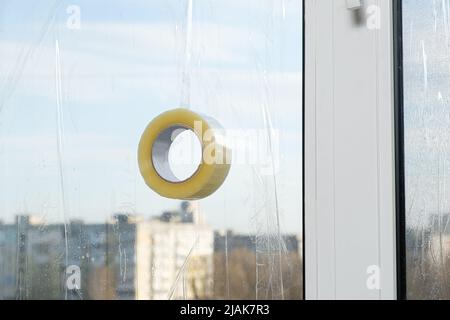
x=173, y=256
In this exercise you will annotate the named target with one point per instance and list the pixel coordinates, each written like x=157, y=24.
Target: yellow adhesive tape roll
x=153, y=155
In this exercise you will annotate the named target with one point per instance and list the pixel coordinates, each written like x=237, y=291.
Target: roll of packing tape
x=153, y=155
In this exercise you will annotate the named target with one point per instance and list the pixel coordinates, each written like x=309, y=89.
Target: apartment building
x=166, y=257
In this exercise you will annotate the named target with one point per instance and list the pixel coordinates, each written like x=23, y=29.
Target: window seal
x=399, y=151
x=303, y=150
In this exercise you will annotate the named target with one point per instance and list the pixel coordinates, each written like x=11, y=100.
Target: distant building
x=88, y=248
x=31, y=260
x=9, y=273
x=230, y=241
x=425, y=239
x=169, y=257
x=437, y=234
x=175, y=256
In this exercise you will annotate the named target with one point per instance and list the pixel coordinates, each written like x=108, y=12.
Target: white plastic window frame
x=349, y=151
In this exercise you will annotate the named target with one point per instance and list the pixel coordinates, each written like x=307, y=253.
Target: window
x=80, y=81
x=424, y=149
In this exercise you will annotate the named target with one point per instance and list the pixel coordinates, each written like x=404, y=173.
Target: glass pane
x=427, y=147
x=78, y=86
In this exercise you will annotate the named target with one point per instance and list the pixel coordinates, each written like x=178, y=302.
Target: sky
x=77, y=91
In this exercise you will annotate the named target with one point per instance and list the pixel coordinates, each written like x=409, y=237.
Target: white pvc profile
x=350, y=248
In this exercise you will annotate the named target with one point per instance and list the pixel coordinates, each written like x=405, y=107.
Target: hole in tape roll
x=176, y=154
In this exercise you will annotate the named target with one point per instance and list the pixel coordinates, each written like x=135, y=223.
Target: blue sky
x=120, y=70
